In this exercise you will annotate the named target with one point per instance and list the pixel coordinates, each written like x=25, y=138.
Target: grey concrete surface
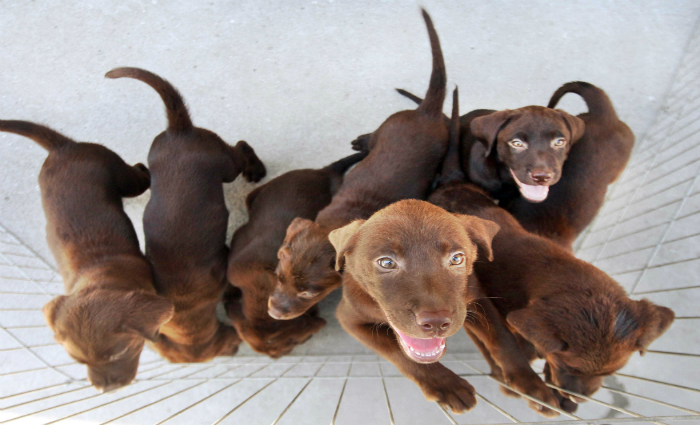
x=300, y=80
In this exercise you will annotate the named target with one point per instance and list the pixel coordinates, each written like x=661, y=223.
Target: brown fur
x=594, y=162
x=405, y=154
x=488, y=158
x=110, y=306
x=564, y=309
x=298, y=194
x=421, y=239
x=185, y=225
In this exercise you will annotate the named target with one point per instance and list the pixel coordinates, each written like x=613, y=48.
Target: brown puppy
x=405, y=289
x=298, y=194
x=594, y=162
x=516, y=150
x=406, y=152
x=185, y=225
x=560, y=308
x=110, y=306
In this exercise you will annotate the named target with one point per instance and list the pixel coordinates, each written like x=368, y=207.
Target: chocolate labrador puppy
x=558, y=307
x=405, y=289
x=295, y=195
x=110, y=307
x=185, y=225
x=521, y=150
x=594, y=162
x=406, y=152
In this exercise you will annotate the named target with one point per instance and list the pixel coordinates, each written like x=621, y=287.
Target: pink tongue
x=531, y=193
x=421, y=345
x=534, y=193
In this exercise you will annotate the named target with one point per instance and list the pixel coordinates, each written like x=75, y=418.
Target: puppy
x=558, y=307
x=405, y=155
x=594, y=162
x=110, y=307
x=185, y=225
x=405, y=289
x=521, y=150
x=293, y=196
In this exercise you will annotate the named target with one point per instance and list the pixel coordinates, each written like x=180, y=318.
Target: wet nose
x=432, y=321
x=541, y=176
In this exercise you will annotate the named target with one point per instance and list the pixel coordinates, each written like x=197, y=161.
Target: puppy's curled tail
x=342, y=165
x=178, y=118
x=451, y=166
x=46, y=138
x=599, y=105
x=435, y=96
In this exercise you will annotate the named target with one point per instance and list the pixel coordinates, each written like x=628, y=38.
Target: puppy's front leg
x=499, y=345
x=437, y=382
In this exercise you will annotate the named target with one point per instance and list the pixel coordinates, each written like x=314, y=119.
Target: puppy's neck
x=118, y=272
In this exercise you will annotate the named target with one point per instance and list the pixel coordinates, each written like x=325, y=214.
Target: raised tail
x=47, y=138
x=410, y=95
x=435, y=96
x=178, y=118
x=342, y=165
x=599, y=105
x=451, y=166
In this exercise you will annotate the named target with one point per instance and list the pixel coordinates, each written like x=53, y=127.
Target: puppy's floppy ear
x=654, y=322
x=294, y=228
x=51, y=309
x=486, y=128
x=480, y=231
x=575, y=124
x=148, y=312
x=343, y=240
x=532, y=324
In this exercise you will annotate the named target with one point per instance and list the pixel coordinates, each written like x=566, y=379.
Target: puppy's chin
x=421, y=350
x=533, y=193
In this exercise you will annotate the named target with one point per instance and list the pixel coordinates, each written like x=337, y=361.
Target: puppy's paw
x=450, y=391
x=253, y=170
x=567, y=405
x=361, y=143
x=531, y=384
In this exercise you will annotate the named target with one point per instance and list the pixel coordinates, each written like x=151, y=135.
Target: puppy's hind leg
x=247, y=162
x=132, y=180
x=362, y=143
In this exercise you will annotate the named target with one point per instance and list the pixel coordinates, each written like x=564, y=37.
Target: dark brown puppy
x=110, y=306
x=406, y=152
x=516, y=150
x=560, y=308
x=298, y=194
x=486, y=328
x=185, y=225
x=405, y=289
x=594, y=162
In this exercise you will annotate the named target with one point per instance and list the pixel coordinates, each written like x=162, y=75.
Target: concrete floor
x=300, y=80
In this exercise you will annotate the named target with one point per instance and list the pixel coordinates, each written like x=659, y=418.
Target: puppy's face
x=305, y=271
x=106, y=330
x=272, y=337
x=533, y=142
x=414, y=259
x=585, y=337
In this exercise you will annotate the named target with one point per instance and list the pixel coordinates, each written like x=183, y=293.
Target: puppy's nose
x=541, y=176
x=434, y=321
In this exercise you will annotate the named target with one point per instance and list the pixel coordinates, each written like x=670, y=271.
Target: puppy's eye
x=307, y=295
x=457, y=259
x=386, y=263
x=560, y=142
x=518, y=144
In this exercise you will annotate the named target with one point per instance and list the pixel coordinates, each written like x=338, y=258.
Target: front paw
x=450, y=391
x=531, y=384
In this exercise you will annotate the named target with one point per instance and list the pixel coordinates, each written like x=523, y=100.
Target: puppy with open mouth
x=405, y=273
